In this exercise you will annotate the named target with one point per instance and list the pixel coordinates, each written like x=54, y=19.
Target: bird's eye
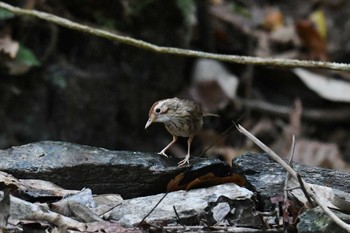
x=157, y=110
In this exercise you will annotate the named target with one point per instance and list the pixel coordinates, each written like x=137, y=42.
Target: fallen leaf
x=204, y=178
x=326, y=87
x=291, y=208
x=210, y=180
x=173, y=184
x=312, y=40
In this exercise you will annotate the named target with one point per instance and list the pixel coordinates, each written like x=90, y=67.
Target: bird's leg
x=187, y=158
x=167, y=147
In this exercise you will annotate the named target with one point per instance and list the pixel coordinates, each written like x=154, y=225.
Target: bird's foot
x=163, y=153
x=184, y=161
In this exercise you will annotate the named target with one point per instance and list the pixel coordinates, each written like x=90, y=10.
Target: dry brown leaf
x=292, y=206
x=312, y=40
x=210, y=180
x=173, y=184
x=206, y=180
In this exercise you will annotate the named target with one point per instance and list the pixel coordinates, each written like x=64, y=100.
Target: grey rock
x=190, y=205
x=317, y=221
x=84, y=198
x=220, y=211
x=74, y=166
x=266, y=176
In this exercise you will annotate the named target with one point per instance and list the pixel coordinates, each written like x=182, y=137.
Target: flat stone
x=188, y=204
x=74, y=166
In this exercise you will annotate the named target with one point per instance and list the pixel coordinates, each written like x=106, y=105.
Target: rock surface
x=267, y=177
x=74, y=166
x=316, y=220
x=188, y=204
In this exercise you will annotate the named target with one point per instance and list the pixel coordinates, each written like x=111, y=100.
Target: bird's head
x=160, y=111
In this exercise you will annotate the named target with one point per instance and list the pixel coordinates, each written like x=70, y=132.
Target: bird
x=181, y=117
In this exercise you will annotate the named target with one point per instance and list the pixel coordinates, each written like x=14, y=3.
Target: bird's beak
x=151, y=119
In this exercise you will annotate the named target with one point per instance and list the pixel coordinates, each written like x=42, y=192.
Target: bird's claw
x=163, y=153
x=184, y=161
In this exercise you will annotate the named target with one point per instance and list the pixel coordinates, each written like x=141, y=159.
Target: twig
x=293, y=188
x=178, y=217
x=221, y=229
x=290, y=170
x=151, y=211
x=285, y=205
x=276, y=62
x=302, y=186
x=213, y=143
x=265, y=148
x=292, y=150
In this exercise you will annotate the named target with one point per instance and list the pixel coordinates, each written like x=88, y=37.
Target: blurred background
x=61, y=84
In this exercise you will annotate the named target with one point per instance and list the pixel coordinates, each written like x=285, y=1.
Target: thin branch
x=151, y=211
x=220, y=229
x=303, y=189
x=276, y=62
x=292, y=150
x=285, y=205
x=293, y=173
x=178, y=217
